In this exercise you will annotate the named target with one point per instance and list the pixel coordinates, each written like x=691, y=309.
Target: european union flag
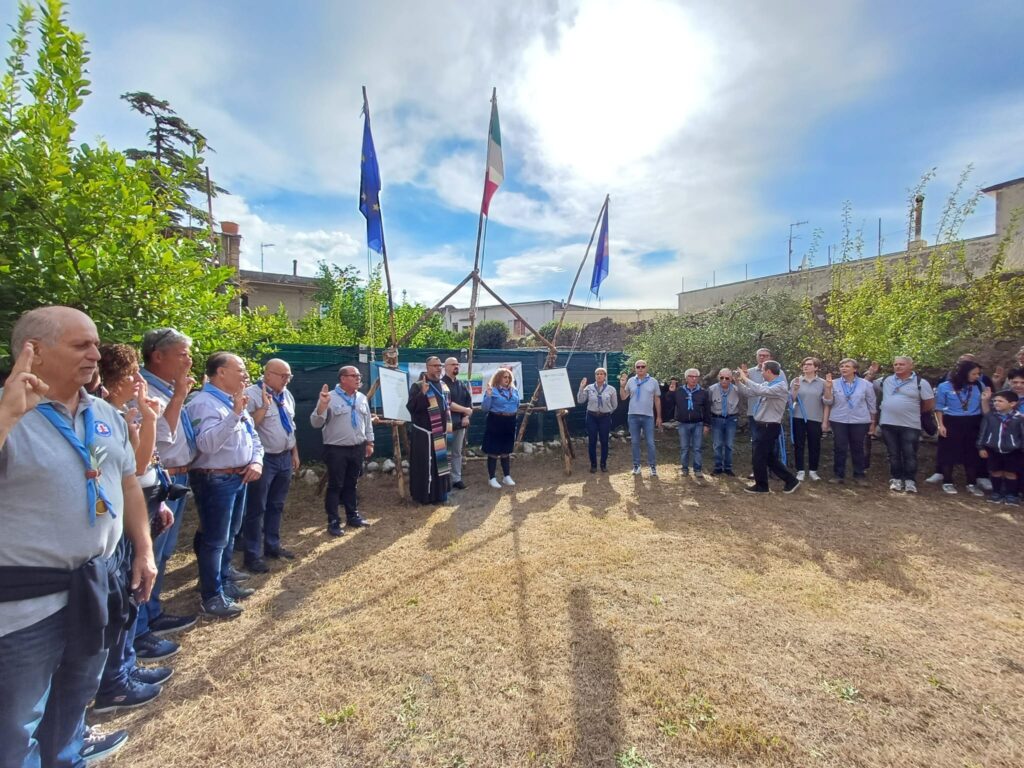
x=601, y=256
x=369, y=189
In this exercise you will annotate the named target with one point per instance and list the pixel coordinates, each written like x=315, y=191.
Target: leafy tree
x=728, y=336
x=566, y=335
x=81, y=225
x=491, y=334
x=178, y=146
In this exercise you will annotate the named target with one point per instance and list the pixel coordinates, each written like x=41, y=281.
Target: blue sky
x=712, y=125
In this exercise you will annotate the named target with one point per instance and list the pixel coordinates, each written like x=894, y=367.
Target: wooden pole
x=579, y=271
x=515, y=314
x=426, y=315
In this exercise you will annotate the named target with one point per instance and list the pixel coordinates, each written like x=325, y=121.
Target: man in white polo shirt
x=904, y=397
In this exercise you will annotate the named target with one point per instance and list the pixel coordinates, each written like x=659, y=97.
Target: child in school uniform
x=1000, y=443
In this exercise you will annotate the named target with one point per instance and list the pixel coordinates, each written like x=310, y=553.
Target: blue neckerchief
x=190, y=432
x=760, y=403
x=799, y=402
x=351, y=403
x=897, y=385
x=221, y=396
x=598, y=393
x=439, y=391
x=1005, y=418
x=92, y=484
x=689, y=396
x=640, y=382
x=278, y=399
x=848, y=391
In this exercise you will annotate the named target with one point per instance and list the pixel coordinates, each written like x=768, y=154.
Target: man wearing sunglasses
x=644, y=414
x=725, y=414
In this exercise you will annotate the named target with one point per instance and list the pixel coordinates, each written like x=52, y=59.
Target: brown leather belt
x=224, y=471
x=175, y=471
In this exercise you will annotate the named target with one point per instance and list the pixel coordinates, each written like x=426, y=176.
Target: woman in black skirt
x=500, y=403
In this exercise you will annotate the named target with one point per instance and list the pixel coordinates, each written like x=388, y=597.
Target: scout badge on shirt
x=97, y=454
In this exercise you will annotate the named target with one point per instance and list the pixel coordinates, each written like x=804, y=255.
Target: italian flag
x=495, y=165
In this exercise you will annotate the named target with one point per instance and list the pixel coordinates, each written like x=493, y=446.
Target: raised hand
x=796, y=384
x=828, y=381
x=240, y=402
x=583, y=382
x=148, y=408
x=267, y=399
x=184, y=383
x=623, y=378
x=986, y=394
x=673, y=386
x=489, y=390
x=324, y=400
x=23, y=389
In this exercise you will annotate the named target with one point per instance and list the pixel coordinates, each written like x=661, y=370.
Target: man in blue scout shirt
x=230, y=457
x=67, y=492
x=273, y=410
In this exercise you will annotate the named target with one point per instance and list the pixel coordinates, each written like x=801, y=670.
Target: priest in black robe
x=429, y=467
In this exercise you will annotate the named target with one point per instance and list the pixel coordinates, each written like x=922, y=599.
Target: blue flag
x=369, y=189
x=601, y=257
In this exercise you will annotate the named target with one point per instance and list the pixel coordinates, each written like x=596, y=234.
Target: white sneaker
x=636, y=469
x=910, y=486
x=936, y=478
x=508, y=480
x=985, y=484
x=800, y=475
x=974, y=490
x=493, y=482
x=814, y=475
x=948, y=487
x=654, y=471
x=895, y=485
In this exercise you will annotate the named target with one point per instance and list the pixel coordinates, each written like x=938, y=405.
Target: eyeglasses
x=640, y=367
x=285, y=376
x=725, y=378
x=356, y=375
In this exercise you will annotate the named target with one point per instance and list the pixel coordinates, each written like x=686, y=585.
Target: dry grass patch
x=605, y=620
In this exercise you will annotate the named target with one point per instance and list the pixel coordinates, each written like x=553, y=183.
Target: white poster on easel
x=557, y=392
x=394, y=393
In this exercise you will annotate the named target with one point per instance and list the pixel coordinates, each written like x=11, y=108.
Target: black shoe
x=755, y=489
x=149, y=647
x=236, y=592
x=791, y=486
x=335, y=529
x=604, y=468
x=259, y=565
x=356, y=522
x=165, y=624
x=98, y=743
x=729, y=473
x=593, y=470
x=716, y=471
x=750, y=476
x=280, y=554
x=459, y=484
x=236, y=575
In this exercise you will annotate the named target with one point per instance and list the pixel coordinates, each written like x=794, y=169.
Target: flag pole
x=586, y=255
x=476, y=259
x=384, y=251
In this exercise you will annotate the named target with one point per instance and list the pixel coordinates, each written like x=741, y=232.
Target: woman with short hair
x=601, y=401
x=810, y=410
x=500, y=403
x=852, y=418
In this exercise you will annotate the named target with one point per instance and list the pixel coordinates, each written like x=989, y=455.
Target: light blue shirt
x=952, y=404
x=854, y=404
x=225, y=439
x=501, y=400
x=642, y=394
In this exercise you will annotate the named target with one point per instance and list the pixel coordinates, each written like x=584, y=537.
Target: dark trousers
x=599, y=426
x=766, y=456
x=806, y=439
x=220, y=501
x=121, y=656
x=958, y=447
x=344, y=463
x=901, y=443
x=264, y=506
x=849, y=441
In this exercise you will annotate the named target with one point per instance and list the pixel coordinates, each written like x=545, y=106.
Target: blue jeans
x=264, y=506
x=638, y=422
x=163, y=547
x=691, y=440
x=220, y=499
x=599, y=426
x=723, y=435
x=45, y=688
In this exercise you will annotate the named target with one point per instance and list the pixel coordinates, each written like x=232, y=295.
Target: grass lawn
x=608, y=620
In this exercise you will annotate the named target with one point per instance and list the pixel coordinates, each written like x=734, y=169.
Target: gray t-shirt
x=43, y=516
x=271, y=430
x=642, y=395
x=901, y=404
x=755, y=375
